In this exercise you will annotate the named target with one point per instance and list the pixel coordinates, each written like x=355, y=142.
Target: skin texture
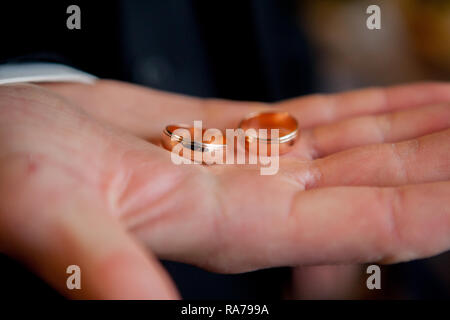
x=83, y=181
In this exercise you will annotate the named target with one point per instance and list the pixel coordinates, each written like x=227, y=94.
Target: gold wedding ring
x=256, y=126
x=286, y=124
x=182, y=135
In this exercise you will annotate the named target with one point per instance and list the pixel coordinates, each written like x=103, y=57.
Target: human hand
x=324, y=206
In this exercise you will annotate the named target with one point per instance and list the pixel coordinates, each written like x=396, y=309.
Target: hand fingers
x=145, y=112
x=390, y=127
x=236, y=220
x=343, y=225
x=425, y=159
x=321, y=109
x=265, y=222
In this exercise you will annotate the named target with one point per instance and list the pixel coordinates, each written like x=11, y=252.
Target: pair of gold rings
x=287, y=126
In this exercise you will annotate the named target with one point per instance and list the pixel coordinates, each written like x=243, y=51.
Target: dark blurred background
x=262, y=50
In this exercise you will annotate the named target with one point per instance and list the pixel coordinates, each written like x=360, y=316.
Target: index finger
x=145, y=112
x=327, y=108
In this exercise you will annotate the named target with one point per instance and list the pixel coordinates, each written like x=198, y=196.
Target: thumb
x=76, y=230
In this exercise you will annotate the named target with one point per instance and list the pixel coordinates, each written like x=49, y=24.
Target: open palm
x=80, y=182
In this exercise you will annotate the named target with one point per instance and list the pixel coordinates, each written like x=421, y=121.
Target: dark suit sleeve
x=36, y=31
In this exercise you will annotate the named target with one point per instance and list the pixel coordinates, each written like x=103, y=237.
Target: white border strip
x=42, y=72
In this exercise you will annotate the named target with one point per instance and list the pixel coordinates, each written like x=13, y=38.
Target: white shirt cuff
x=42, y=72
